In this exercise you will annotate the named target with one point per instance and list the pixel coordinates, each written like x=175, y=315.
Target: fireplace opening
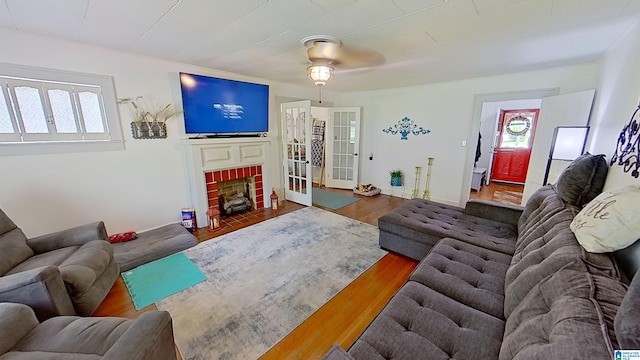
x=233, y=202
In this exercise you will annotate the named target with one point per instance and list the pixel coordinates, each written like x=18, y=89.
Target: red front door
x=513, y=146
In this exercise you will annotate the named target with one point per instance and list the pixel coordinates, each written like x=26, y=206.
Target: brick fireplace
x=211, y=162
x=230, y=181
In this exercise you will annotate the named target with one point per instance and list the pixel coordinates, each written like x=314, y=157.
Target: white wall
x=142, y=187
x=617, y=97
x=447, y=110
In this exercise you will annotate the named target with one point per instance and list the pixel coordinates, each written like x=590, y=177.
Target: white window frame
x=20, y=143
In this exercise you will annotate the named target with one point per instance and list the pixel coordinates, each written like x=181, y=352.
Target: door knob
x=355, y=154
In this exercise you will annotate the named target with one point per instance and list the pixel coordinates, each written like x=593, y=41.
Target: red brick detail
x=213, y=177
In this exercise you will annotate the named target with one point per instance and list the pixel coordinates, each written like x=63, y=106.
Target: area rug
x=330, y=199
x=266, y=279
x=507, y=197
x=156, y=280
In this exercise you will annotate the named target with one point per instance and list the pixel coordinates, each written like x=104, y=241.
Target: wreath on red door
x=527, y=125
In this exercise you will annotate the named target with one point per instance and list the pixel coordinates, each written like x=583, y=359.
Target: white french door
x=296, y=140
x=342, y=147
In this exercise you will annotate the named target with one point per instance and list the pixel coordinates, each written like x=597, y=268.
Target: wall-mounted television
x=214, y=106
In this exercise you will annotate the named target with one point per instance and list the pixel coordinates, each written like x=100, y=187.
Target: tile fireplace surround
x=210, y=161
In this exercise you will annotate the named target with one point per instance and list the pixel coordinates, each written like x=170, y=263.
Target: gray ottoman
x=152, y=245
x=413, y=228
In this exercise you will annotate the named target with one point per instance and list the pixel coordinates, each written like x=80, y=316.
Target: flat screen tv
x=214, y=106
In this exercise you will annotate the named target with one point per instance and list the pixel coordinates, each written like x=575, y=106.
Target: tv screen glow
x=221, y=106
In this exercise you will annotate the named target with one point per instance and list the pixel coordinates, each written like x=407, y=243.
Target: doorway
x=306, y=150
x=512, y=151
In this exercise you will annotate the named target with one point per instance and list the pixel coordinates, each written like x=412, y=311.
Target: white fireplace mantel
x=218, y=154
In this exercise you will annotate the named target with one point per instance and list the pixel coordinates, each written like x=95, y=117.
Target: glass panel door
x=296, y=125
x=343, y=143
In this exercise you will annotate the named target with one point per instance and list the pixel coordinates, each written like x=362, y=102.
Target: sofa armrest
x=16, y=320
x=41, y=288
x=337, y=353
x=509, y=214
x=76, y=236
x=150, y=337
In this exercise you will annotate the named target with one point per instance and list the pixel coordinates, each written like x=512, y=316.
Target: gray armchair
x=64, y=273
x=22, y=336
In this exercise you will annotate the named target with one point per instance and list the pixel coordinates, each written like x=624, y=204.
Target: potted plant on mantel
x=396, y=177
x=149, y=120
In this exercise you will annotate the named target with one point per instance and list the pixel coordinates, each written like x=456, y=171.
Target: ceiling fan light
x=320, y=74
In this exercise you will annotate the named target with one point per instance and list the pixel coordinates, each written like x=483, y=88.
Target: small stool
x=152, y=245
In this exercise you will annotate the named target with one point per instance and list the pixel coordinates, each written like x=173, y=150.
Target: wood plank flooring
x=344, y=317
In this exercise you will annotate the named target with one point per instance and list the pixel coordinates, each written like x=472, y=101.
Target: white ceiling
x=422, y=41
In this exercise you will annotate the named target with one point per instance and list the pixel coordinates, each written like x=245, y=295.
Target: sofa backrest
x=568, y=315
x=13, y=244
x=560, y=301
x=542, y=204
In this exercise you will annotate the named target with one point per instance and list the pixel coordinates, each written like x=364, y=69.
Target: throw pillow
x=583, y=179
x=128, y=236
x=610, y=222
x=627, y=321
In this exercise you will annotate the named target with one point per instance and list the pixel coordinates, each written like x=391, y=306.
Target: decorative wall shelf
x=152, y=130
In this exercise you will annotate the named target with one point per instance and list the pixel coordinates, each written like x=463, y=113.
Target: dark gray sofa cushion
x=469, y=274
x=540, y=257
x=152, y=245
x=568, y=315
x=583, y=179
x=418, y=217
x=627, y=320
x=420, y=323
x=542, y=204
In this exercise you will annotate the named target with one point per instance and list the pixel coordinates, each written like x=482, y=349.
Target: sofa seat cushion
x=73, y=337
x=420, y=323
x=51, y=258
x=469, y=274
x=568, y=315
x=152, y=245
x=417, y=217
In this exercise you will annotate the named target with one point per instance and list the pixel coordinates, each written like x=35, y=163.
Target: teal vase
x=396, y=181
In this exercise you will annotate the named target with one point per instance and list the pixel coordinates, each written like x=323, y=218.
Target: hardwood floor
x=486, y=192
x=339, y=321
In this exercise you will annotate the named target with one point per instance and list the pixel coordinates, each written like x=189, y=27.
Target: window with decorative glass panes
x=34, y=110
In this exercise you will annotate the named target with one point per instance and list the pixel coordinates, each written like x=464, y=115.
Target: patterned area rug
x=266, y=279
x=507, y=197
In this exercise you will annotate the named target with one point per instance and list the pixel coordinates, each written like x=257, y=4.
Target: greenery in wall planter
x=396, y=177
x=149, y=120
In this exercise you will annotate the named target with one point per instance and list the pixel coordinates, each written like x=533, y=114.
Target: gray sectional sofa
x=22, y=336
x=68, y=272
x=503, y=282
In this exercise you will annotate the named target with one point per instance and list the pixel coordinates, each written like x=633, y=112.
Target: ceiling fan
x=327, y=53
